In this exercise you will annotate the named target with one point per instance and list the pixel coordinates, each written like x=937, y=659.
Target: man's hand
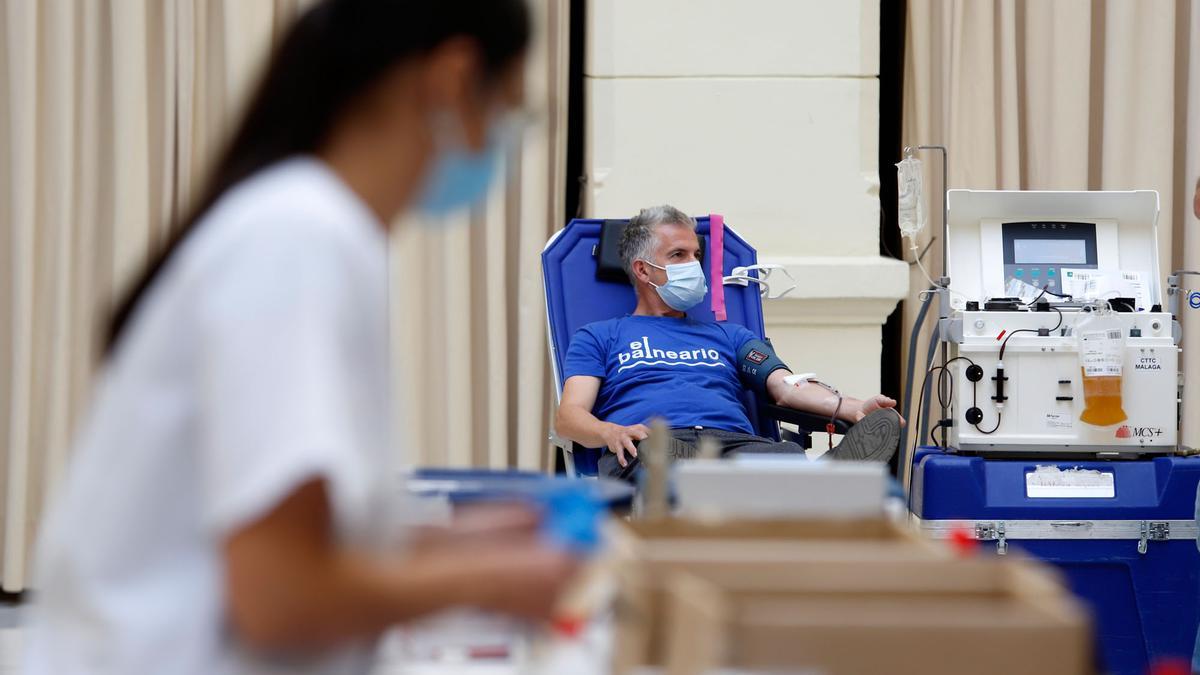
x=621, y=439
x=873, y=403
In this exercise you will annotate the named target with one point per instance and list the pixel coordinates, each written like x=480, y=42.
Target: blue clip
x=571, y=517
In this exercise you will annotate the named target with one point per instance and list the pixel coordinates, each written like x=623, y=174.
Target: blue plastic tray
x=475, y=485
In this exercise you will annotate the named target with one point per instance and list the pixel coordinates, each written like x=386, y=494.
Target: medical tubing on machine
x=945, y=389
x=832, y=423
x=922, y=412
x=911, y=369
x=1031, y=330
x=1001, y=378
x=927, y=394
x=906, y=471
x=925, y=406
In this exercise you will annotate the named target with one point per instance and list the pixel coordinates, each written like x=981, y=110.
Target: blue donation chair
x=584, y=283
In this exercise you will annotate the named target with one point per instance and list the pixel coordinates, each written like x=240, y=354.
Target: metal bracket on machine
x=1153, y=531
x=993, y=532
x=1001, y=532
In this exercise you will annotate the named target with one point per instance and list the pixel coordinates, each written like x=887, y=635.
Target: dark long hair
x=333, y=54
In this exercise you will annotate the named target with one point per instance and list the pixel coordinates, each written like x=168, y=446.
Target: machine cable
x=1046, y=291
x=945, y=393
x=999, y=416
x=1031, y=330
x=945, y=387
x=1000, y=377
x=928, y=434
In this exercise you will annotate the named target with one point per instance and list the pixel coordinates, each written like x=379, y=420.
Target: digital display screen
x=1064, y=252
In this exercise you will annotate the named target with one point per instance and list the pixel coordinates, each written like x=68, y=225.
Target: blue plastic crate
x=1146, y=606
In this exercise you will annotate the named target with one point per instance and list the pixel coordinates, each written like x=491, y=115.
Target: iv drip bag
x=910, y=196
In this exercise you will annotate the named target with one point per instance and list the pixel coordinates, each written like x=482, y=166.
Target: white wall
x=765, y=111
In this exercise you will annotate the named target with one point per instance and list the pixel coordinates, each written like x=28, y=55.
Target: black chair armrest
x=802, y=438
x=804, y=420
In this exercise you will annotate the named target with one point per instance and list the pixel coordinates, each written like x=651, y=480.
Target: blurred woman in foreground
x=224, y=509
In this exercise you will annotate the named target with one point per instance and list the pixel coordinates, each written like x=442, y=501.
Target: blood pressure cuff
x=756, y=361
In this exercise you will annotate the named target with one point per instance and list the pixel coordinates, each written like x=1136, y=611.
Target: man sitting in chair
x=657, y=363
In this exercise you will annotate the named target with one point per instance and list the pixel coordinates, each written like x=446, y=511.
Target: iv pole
x=943, y=282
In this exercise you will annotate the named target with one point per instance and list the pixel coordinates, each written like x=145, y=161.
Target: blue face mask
x=685, y=286
x=460, y=177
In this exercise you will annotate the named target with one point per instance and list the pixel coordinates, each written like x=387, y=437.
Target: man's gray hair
x=638, y=239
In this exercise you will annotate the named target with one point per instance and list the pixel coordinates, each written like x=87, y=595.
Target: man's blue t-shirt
x=681, y=370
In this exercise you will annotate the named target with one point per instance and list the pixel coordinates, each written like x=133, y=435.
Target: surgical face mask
x=459, y=176
x=685, y=286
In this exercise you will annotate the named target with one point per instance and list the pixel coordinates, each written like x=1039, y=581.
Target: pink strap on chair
x=716, y=262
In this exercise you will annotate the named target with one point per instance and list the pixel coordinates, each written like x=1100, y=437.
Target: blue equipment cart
x=1132, y=556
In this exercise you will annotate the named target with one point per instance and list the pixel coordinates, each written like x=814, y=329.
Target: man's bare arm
x=575, y=421
x=814, y=398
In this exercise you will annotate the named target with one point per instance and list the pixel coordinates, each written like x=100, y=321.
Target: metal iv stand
x=1175, y=293
x=942, y=282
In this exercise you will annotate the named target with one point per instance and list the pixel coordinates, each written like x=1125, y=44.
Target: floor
x=10, y=639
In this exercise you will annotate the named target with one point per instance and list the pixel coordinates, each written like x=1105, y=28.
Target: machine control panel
x=1036, y=252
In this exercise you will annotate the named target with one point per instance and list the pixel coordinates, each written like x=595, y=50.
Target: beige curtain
x=470, y=325
x=1063, y=95
x=110, y=111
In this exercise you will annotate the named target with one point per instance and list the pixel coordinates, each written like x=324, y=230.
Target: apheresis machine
x=1053, y=402
x=1060, y=339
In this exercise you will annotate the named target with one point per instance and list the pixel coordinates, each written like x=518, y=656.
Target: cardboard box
x=972, y=616
x=697, y=594
x=855, y=529
x=650, y=552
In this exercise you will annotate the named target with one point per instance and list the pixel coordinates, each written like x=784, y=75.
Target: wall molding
x=838, y=290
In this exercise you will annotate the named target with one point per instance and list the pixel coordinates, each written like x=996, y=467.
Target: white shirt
x=256, y=361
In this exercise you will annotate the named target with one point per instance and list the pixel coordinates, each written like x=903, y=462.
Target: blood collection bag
x=1101, y=354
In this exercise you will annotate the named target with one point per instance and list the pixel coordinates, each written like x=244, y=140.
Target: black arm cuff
x=756, y=361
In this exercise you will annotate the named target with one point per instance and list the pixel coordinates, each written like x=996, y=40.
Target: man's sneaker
x=874, y=438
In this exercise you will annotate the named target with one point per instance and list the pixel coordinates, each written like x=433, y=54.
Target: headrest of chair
x=608, y=256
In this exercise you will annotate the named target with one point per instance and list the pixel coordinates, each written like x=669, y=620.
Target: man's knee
x=766, y=447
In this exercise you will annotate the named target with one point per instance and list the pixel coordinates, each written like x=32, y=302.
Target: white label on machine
x=1057, y=420
x=1101, y=353
x=1055, y=483
x=1085, y=284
